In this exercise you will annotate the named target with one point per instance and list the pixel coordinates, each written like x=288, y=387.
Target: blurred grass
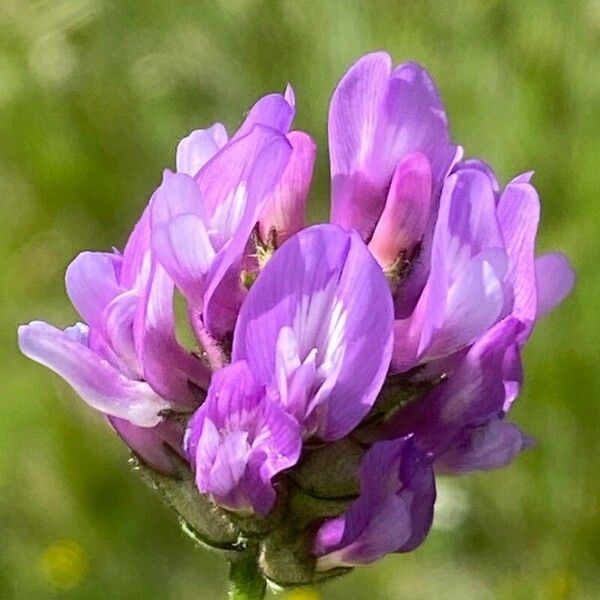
x=94, y=95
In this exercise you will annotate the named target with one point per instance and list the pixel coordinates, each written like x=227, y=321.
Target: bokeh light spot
x=64, y=564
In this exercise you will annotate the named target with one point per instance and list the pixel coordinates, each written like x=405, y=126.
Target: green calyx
x=277, y=549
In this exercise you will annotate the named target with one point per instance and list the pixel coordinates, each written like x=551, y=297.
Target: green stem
x=245, y=581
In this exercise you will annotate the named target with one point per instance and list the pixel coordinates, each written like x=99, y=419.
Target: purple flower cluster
x=398, y=327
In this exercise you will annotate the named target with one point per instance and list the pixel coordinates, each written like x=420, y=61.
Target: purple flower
x=380, y=115
x=459, y=263
x=467, y=286
x=128, y=304
x=283, y=208
x=125, y=361
x=492, y=445
x=200, y=226
x=197, y=148
x=482, y=268
x=461, y=423
x=105, y=388
x=428, y=270
x=392, y=514
x=313, y=343
x=239, y=439
x=316, y=330
x=203, y=216
x=464, y=294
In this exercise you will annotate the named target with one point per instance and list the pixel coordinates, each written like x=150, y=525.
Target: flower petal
x=156, y=446
x=195, y=150
x=284, y=210
x=467, y=222
x=464, y=294
x=479, y=165
x=490, y=446
x=274, y=111
x=118, y=320
x=417, y=120
x=406, y=212
x=178, y=194
x=92, y=281
x=473, y=304
x=358, y=190
x=290, y=95
x=335, y=299
x=94, y=379
x=134, y=270
x=555, y=279
x=518, y=214
x=222, y=177
x=171, y=370
x=180, y=240
x=183, y=248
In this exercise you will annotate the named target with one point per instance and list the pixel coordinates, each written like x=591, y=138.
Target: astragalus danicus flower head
x=338, y=367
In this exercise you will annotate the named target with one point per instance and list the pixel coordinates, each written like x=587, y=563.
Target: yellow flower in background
x=303, y=594
x=64, y=564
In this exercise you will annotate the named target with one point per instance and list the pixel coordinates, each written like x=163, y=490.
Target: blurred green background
x=95, y=94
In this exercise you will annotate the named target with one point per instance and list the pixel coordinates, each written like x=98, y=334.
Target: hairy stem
x=245, y=581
